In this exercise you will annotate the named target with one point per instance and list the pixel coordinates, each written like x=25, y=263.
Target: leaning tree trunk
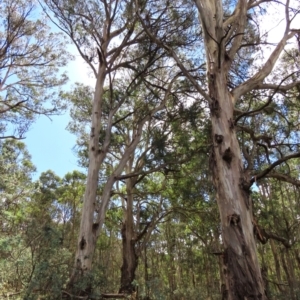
x=241, y=267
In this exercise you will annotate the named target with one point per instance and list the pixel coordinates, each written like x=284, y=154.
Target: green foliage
x=30, y=58
x=39, y=222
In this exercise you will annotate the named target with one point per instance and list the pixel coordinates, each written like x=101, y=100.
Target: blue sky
x=48, y=141
x=50, y=145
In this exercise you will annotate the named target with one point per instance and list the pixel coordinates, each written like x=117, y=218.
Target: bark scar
x=95, y=227
x=82, y=243
x=219, y=138
x=245, y=186
x=234, y=219
x=228, y=155
x=215, y=107
x=93, y=132
x=231, y=124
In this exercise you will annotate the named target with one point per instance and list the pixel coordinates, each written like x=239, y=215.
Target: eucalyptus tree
x=16, y=186
x=160, y=154
x=102, y=31
x=238, y=87
x=30, y=57
x=16, y=170
x=106, y=35
x=279, y=225
x=165, y=144
x=154, y=153
x=40, y=221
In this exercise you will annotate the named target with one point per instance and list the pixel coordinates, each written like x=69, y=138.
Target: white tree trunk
x=241, y=268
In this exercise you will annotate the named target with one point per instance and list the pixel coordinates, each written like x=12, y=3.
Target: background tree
x=39, y=220
x=110, y=40
x=93, y=27
x=30, y=58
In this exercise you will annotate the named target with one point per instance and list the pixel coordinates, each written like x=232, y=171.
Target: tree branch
x=282, y=88
x=270, y=98
x=174, y=55
x=263, y=236
x=272, y=166
x=267, y=68
x=283, y=177
x=11, y=137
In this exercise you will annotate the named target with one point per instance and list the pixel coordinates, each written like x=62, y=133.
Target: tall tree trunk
x=288, y=275
x=292, y=277
x=130, y=260
x=129, y=256
x=241, y=268
x=223, y=37
x=87, y=238
x=171, y=247
x=277, y=265
x=92, y=222
x=146, y=275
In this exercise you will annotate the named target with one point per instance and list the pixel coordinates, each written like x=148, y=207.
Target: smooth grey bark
x=129, y=255
x=135, y=235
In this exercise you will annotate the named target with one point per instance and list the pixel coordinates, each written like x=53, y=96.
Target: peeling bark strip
x=240, y=265
x=241, y=268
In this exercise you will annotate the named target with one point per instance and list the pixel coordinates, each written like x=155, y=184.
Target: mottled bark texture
x=241, y=268
x=87, y=231
x=223, y=37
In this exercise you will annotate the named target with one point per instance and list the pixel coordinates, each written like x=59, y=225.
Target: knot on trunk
x=82, y=243
x=227, y=155
x=215, y=107
x=231, y=124
x=95, y=227
x=234, y=219
x=219, y=138
x=245, y=185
